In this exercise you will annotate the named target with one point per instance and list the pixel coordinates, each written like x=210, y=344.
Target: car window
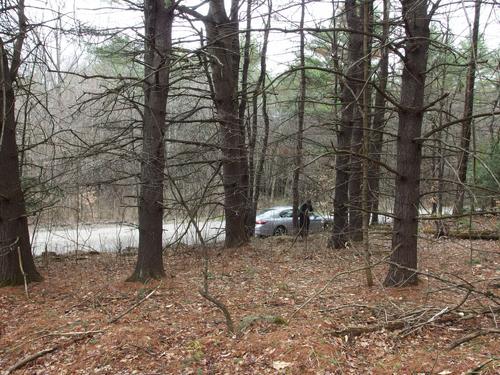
x=267, y=214
x=286, y=213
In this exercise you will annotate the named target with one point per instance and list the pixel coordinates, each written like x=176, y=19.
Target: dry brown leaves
x=177, y=331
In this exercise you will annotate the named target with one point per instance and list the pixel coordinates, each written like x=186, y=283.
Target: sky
x=282, y=47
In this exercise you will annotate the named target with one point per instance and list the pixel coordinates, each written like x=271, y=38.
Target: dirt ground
x=294, y=307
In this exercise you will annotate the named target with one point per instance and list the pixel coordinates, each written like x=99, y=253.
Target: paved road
x=115, y=237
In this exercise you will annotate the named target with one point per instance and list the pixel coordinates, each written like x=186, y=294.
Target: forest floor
x=298, y=309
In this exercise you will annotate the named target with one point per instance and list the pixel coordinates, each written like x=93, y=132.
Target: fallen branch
x=473, y=335
x=121, y=315
x=41, y=353
x=328, y=283
x=414, y=328
x=29, y=359
x=477, y=370
x=358, y=331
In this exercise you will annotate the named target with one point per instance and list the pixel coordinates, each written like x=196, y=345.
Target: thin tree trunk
x=377, y=138
x=249, y=122
x=438, y=144
x=158, y=43
x=356, y=171
x=409, y=151
x=297, y=172
x=260, y=88
x=468, y=110
x=354, y=76
x=14, y=233
x=367, y=20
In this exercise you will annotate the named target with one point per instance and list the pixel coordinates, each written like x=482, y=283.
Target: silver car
x=277, y=221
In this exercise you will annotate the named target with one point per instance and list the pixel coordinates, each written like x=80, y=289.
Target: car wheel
x=327, y=226
x=280, y=231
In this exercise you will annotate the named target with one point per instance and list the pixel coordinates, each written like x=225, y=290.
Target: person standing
x=304, y=219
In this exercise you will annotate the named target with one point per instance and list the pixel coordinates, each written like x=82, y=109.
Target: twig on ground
x=328, y=283
x=357, y=331
x=29, y=358
x=472, y=336
x=121, y=315
x=41, y=353
x=478, y=368
x=414, y=328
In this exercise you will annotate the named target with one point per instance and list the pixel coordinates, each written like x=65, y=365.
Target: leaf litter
x=346, y=329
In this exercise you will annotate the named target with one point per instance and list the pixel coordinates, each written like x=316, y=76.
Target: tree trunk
x=250, y=122
x=377, y=138
x=13, y=221
x=409, y=151
x=351, y=86
x=223, y=45
x=260, y=88
x=355, y=22
x=468, y=110
x=300, y=121
x=14, y=234
x=367, y=22
x=158, y=45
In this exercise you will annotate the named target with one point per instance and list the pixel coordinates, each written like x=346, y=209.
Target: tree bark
x=351, y=86
x=409, y=151
x=377, y=138
x=14, y=232
x=260, y=88
x=158, y=46
x=468, y=110
x=361, y=90
x=300, y=122
x=223, y=45
x=367, y=22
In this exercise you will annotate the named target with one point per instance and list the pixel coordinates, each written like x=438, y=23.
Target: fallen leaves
x=177, y=331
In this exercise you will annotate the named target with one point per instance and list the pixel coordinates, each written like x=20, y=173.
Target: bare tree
x=157, y=59
x=16, y=260
x=468, y=110
x=224, y=50
x=300, y=121
x=351, y=88
x=378, y=123
x=256, y=168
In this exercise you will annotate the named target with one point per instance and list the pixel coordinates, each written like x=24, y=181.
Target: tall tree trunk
x=377, y=138
x=249, y=122
x=367, y=22
x=260, y=88
x=300, y=121
x=14, y=234
x=409, y=150
x=223, y=44
x=468, y=110
x=438, y=144
x=351, y=87
x=158, y=45
x=362, y=94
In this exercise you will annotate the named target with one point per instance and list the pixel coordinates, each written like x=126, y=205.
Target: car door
x=285, y=219
x=316, y=223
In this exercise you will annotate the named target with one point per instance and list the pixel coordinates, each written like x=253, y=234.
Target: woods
x=149, y=129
